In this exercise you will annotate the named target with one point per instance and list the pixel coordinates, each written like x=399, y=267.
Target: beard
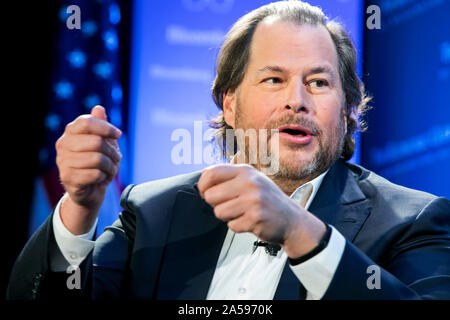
x=330, y=146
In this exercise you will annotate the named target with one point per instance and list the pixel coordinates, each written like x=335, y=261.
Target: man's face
x=292, y=84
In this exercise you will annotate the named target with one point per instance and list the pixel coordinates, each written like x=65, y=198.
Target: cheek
x=328, y=112
x=258, y=109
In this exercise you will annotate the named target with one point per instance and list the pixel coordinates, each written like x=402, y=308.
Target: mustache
x=295, y=120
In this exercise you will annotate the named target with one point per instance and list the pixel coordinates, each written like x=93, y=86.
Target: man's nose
x=297, y=97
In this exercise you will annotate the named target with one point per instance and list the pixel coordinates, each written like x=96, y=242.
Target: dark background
x=28, y=34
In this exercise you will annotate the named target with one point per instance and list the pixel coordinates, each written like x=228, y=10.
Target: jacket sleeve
x=32, y=279
x=417, y=266
x=111, y=259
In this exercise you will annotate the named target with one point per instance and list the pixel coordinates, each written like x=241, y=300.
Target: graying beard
x=322, y=161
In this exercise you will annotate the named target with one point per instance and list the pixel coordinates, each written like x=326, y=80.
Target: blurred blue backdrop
x=407, y=69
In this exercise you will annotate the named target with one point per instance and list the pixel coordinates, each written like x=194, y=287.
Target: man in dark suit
x=314, y=227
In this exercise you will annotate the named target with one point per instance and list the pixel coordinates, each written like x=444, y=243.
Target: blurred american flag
x=86, y=72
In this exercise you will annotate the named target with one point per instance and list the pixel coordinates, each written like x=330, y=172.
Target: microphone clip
x=270, y=248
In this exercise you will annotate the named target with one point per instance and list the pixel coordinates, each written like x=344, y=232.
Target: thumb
x=99, y=112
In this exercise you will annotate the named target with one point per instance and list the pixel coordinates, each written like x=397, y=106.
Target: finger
x=222, y=192
x=113, y=143
x=230, y=210
x=215, y=175
x=87, y=142
x=88, y=124
x=91, y=160
x=240, y=224
x=99, y=112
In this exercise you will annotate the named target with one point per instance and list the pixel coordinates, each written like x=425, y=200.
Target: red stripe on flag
x=53, y=186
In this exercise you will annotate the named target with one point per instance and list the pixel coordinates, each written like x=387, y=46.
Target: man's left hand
x=250, y=202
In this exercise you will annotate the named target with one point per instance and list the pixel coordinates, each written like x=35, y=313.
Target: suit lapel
x=194, y=242
x=338, y=202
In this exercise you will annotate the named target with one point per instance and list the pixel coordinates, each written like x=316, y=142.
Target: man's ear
x=346, y=110
x=345, y=122
x=353, y=116
x=229, y=106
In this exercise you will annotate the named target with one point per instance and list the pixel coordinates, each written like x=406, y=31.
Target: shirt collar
x=316, y=182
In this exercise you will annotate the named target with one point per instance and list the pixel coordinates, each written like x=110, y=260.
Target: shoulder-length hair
x=233, y=59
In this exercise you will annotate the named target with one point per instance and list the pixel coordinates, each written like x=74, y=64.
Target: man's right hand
x=88, y=158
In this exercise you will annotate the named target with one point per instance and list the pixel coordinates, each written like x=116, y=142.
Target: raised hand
x=88, y=158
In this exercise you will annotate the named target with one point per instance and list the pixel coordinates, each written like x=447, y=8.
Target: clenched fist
x=250, y=202
x=88, y=158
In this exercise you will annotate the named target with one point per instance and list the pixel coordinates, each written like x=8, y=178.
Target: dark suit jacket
x=166, y=243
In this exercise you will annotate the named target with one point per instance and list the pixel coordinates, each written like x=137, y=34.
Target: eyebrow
x=276, y=69
x=314, y=70
x=321, y=69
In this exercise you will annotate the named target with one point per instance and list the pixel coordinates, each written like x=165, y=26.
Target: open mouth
x=295, y=130
x=295, y=134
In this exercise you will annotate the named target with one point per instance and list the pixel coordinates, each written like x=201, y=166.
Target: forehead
x=291, y=46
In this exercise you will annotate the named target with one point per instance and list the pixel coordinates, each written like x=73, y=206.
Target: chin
x=298, y=157
x=296, y=168
x=295, y=163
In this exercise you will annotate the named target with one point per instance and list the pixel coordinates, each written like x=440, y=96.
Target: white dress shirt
x=241, y=272
x=244, y=274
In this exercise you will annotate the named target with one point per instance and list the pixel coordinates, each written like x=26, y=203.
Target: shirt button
x=73, y=255
x=242, y=290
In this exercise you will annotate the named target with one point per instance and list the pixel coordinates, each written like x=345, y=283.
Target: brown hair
x=233, y=58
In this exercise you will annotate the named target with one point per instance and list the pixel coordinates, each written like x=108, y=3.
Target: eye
x=273, y=80
x=319, y=83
